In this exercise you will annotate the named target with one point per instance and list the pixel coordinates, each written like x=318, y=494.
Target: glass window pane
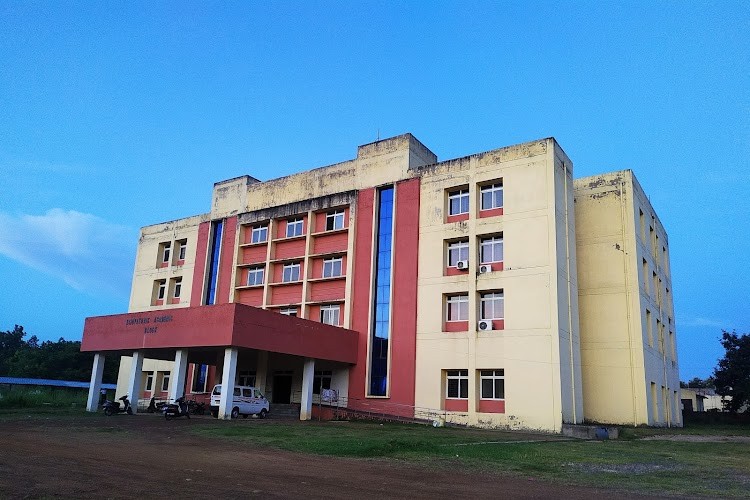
x=464, y=384
x=499, y=389
x=487, y=388
x=452, y=388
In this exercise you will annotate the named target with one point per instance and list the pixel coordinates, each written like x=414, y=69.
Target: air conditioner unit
x=462, y=264
x=485, y=325
x=484, y=269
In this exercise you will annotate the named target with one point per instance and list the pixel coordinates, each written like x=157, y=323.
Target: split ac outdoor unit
x=462, y=264
x=485, y=325
x=484, y=269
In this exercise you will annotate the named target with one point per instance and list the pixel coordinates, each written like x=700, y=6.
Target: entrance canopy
x=224, y=325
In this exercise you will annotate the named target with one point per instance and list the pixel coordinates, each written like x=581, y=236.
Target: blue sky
x=116, y=115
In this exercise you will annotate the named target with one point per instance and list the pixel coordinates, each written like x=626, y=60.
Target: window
x=149, y=381
x=166, y=248
x=649, y=329
x=660, y=334
x=458, y=250
x=491, y=249
x=492, y=306
x=492, y=384
x=492, y=196
x=255, y=277
x=289, y=311
x=321, y=380
x=457, y=384
x=643, y=225
x=177, y=288
x=200, y=377
x=165, y=382
x=259, y=234
x=457, y=308
x=458, y=202
x=330, y=314
x=161, y=290
x=293, y=227
x=332, y=267
x=246, y=377
x=291, y=272
x=182, y=250
x=335, y=220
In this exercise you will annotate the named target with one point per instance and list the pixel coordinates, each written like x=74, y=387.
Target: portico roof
x=224, y=325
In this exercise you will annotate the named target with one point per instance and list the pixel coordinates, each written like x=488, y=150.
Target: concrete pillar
x=177, y=380
x=134, y=380
x=228, y=377
x=96, y=382
x=308, y=374
x=261, y=371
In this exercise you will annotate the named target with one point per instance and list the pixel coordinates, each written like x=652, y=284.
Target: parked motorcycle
x=154, y=407
x=113, y=407
x=196, y=408
x=177, y=409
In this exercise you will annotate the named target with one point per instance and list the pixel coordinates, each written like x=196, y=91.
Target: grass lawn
x=647, y=466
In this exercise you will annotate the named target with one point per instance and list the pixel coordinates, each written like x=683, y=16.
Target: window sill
x=259, y=244
x=290, y=238
x=491, y=212
x=332, y=231
x=329, y=278
x=457, y=218
x=261, y=263
x=455, y=404
x=324, y=302
x=285, y=283
x=248, y=287
x=455, y=326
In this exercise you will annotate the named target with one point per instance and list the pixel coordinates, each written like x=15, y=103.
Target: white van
x=247, y=401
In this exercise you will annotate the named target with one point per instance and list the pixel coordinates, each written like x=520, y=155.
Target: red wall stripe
x=199, y=271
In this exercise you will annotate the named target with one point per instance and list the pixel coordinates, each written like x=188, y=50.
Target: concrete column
x=228, y=377
x=308, y=374
x=261, y=371
x=134, y=380
x=177, y=380
x=96, y=382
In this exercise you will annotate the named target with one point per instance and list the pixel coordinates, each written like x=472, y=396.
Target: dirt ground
x=144, y=456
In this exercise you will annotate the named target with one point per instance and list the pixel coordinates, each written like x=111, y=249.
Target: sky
x=117, y=115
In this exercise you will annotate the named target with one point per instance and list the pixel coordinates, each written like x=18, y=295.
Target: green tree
x=699, y=383
x=732, y=375
x=61, y=360
x=10, y=342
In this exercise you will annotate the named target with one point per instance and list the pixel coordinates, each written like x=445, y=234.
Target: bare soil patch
x=146, y=456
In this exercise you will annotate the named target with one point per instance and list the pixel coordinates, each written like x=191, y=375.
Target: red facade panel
x=226, y=261
x=328, y=243
x=251, y=296
x=491, y=406
x=286, y=294
x=254, y=254
x=457, y=405
x=199, y=272
x=327, y=290
x=404, y=298
x=289, y=249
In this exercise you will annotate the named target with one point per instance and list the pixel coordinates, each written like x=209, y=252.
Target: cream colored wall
x=147, y=256
x=149, y=365
x=381, y=162
x=618, y=364
x=529, y=347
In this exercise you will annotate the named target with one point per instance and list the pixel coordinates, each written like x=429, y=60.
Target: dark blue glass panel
x=382, y=297
x=213, y=265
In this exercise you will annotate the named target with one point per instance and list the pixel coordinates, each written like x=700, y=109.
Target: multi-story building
x=628, y=345
x=406, y=285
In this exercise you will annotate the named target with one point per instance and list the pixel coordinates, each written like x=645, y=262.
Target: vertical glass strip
x=381, y=322
x=213, y=265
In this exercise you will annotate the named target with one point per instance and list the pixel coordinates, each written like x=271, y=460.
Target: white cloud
x=698, y=321
x=85, y=251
